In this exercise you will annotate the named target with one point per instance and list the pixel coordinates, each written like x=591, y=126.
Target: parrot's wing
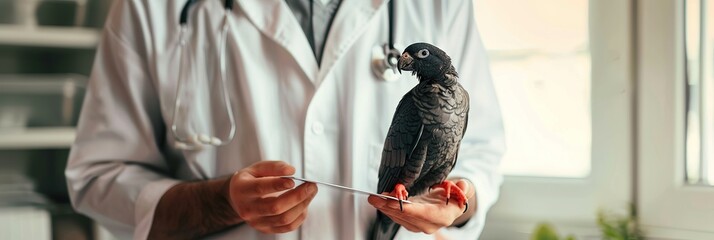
x=402, y=139
x=466, y=124
x=458, y=146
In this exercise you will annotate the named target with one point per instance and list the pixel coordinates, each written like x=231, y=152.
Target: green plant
x=615, y=227
x=545, y=231
x=612, y=226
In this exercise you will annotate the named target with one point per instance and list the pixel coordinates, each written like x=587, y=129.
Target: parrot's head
x=426, y=61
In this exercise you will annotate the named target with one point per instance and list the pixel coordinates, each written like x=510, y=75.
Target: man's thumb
x=271, y=168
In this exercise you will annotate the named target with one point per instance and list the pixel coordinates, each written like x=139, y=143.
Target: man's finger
x=401, y=220
x=393, y=204
x=409, y=218
x=426, y=225
x=270, y=169
x=376, y=202
x=465, y=186
x=277, y=205
x=379, y=202
x=266, y=185
x=291, y=226
x=287, y=217
x=410, y=213
x=425, y=214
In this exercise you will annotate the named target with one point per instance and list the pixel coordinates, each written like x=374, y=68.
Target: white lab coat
x=329, y=121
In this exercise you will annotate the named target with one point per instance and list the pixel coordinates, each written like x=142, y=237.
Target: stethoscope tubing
x=197, y=141
x=183, y=18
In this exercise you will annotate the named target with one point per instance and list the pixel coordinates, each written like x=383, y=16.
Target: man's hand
x=255, y=195
x=192, y=210
x=428, y=212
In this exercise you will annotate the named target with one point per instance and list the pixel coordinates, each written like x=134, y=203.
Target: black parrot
x=423, y=141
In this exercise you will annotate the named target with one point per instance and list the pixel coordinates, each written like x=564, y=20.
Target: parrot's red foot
x=453, y=191
x=400, y=192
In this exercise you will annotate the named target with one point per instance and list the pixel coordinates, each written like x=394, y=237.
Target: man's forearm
x=193, y=209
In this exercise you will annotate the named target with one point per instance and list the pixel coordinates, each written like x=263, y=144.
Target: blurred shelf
x=37, y=138
x=25, y=223
x=47, y=36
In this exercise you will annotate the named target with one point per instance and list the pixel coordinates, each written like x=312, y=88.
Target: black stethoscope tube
x=183, y=19
x=390, y=9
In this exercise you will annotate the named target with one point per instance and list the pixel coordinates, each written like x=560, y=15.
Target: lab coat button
x=317, y=128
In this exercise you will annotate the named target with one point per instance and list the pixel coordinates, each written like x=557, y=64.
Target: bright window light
x=540, y=63
x=699, y=44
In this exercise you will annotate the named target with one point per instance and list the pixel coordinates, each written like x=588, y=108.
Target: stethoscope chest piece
x=384, y=63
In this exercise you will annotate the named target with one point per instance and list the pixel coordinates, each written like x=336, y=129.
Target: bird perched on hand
x=423, y=141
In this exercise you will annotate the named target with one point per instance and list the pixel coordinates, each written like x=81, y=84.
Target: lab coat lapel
x=274, y=19
x=350, y=22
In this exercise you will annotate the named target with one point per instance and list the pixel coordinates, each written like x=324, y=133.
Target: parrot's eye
x=423, y=53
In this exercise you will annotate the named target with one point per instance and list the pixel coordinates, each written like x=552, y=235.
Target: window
x=563, y=71
x=674, y=118
x=646, y=78
x=540, y=62
x=699, y=49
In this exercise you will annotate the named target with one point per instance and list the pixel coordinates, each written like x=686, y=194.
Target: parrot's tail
x=384, y=228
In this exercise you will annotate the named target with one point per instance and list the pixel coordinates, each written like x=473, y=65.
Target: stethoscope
x=197, y=140
x=384, y=67
x=384, y=63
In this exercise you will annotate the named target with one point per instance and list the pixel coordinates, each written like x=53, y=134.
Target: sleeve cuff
x=146, y=205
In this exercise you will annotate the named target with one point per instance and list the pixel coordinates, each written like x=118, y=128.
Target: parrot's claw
x=400, y=192
x=452, y=191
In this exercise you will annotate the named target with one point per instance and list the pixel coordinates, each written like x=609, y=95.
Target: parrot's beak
x=405, y=63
